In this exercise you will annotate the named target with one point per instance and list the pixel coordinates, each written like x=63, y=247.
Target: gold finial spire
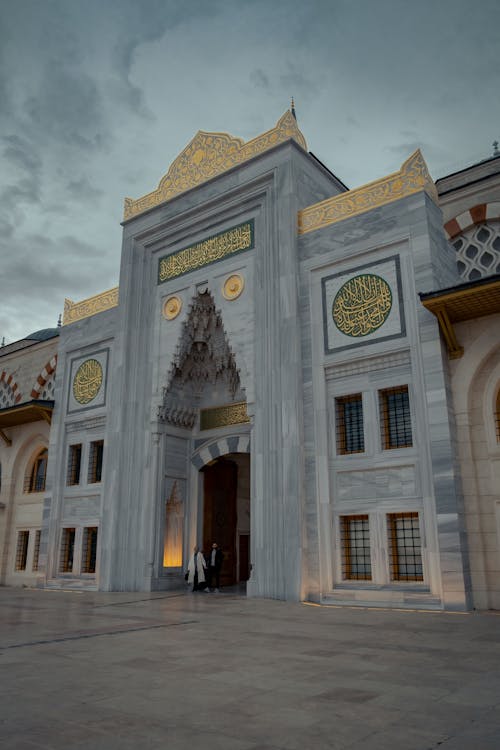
x=292, y=108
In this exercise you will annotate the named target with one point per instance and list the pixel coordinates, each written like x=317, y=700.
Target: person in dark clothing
x=214, y=565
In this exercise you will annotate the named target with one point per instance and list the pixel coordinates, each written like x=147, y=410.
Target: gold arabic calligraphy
x=206, y=252
x=362, y=305
x=87, y=381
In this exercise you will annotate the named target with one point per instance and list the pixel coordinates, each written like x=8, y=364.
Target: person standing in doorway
x=215, y=558
x=196, y=570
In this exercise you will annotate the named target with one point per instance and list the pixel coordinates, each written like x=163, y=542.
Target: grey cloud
x=83, y=190
x=259, y=79
x=21, y=153
x=67, y=109
x=297, y=83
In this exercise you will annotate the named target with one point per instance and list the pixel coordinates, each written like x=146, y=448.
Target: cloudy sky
x=97, y=97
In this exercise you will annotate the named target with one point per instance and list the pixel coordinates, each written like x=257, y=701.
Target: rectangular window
x=22, y=550
x=67, y=551
x=355, y=541
x=349, y=419
x=395, y=418
x=89, y=549
x=36, y=551
x=95, y=461
x=405, y=554
x=74, y=463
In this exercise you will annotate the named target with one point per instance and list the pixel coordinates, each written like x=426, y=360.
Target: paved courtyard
x=222, y=672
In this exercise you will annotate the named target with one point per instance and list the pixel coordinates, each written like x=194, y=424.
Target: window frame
x=385, y=418
x=341, y=424
x=86, y=551
x=95, y=461
x=64, y=550
x=346, y=547
x=74, y=464
x=394, y=550
x=22, y=546
x=31, y=479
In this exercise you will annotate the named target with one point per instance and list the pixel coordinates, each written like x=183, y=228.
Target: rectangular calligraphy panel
x=207, y=251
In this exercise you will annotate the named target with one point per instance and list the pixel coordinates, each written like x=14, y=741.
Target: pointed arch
x=45, y=380
x=204, y=366
x=9, y=392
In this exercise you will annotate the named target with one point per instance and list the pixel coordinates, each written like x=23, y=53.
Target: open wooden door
x=220, y=514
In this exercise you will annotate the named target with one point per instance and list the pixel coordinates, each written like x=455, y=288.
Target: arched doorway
x=226, y=514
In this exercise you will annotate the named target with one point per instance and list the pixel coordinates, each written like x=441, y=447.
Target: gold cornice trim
x=411, y=178
x=74, y=311
x=209, y=155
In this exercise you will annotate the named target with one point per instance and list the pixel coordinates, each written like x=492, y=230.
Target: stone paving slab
x=177, y=671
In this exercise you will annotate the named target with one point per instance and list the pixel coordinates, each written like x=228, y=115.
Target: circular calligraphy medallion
x=172, y=307
x=233, y=286
x=87, y=381
x=362, y=305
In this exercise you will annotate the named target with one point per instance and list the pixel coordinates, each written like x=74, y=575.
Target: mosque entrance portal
x=226, y=514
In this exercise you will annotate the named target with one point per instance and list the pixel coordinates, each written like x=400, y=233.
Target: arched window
x=35, y=479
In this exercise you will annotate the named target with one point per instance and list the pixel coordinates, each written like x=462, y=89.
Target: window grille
x=395, y=418
x=405, y=554
x=36, y=550
x=67, y=551
x=95, y=461
x=74, y=463
x=355, y=542
x=34, y=481
x=89, y=549
x=349, y=419
x=22, y=550
x=478, y=251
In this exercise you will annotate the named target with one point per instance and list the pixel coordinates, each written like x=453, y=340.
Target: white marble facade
x=278, y=349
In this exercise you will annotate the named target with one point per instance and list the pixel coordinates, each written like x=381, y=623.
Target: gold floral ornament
x=87, y=381
x=209, y=155
x=74, y=311
x=413, y=177
x=362, y=305
x=233, y=286
x=172, y=307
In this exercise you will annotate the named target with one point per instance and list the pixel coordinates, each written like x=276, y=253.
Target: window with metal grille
x=355, y=543
x=34, y=480
x=395, y=418
x=67, y=550
x=22, y=550
x=405, y=554
x=89, y=549
x=74, y=463
x=349, y=421
x=36, y=550
x=95, y=461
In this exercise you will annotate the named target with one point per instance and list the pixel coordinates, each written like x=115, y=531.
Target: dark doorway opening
x=226, y=514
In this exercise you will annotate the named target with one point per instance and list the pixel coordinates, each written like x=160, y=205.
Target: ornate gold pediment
x=74, y=311
x=411, y=178
x=211, y=154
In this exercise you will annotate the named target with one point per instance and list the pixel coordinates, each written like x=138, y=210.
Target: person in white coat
x=196, y=570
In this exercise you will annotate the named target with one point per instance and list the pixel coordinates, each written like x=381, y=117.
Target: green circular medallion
x=362, y=305
x=87, y=381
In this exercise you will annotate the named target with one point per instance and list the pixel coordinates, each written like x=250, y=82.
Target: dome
x=44, y=334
